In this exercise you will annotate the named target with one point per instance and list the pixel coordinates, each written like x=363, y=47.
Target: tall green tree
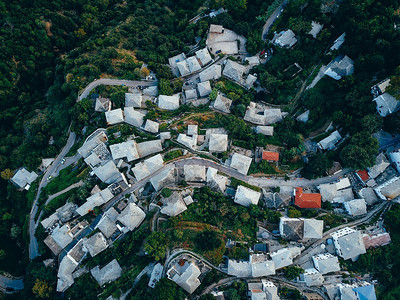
x=156, y=245
x=360, y=153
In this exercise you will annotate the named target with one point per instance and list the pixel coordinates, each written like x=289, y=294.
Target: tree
x=166, y=192
x=167, y=290
x=144, y=72
x=156, y=245
x=361, y=151
x=207, y=240
x=42, y=289
x=164, y=87
x=7, y=174
x=207, y=297
x=293, y=213
x=15, y=231
x=292, y=272
x=236, y=7
x=2, y=254
x=342, y=119
x=371, y=123
x=254, y=42
x=317, y=166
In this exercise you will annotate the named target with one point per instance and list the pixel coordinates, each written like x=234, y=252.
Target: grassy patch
x=172, y=155
x=236, y=182
x=66, y=177
x=331, y=221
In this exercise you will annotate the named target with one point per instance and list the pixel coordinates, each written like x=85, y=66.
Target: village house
x=306, y=200
x=299, y=229
x=240, y=163
x=356, y=207
x=264, y=290
x=270, y=156
x=162, y=179
x=348, y=243
x=339, y=67
x=133, y=99
x=326, y=263
x=213, y=72
x=386, y=104
x=218, y=142
x=216, y=181
x=114, y=116
x=330, y=141
x=173, y=205
x=168, y=102
x=222, y=103
x=311, y=277
x=258, y=265
x=134, y=117
x=156, y=275
x=109, y=273
x=102, y=104
x=285, y=39
x=186, y=275
x=265, y=130
x=260, y=115
x=284, y=257
x=151, y=126
x=204, y=89
x=337, y=192
x=23, y=178
x=194, y=173
x=147, y=167
x=246, y=196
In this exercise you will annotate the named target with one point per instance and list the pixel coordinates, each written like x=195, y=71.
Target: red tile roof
x=363, y=175
x=271, y=156
x=376, y=240
x=309, y=200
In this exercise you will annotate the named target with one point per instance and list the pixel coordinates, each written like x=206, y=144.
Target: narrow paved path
x=110, y=81
x=51, y=197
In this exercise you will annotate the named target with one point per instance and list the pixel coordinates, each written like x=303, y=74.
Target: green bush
x=207, y=240
x=166, y=192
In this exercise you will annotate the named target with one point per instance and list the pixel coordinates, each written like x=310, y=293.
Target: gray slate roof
x=386, y=104
x=110, y=272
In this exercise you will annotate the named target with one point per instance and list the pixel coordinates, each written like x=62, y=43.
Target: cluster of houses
x=67, y=235
x=205, y=68
x=71, y=237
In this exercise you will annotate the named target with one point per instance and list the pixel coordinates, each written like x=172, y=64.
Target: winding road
x=33, y=244
x=110, y=81
x=272, y=19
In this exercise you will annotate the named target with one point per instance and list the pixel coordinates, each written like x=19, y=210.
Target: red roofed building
x=363, y=174
x=309, y=200
x=377, y=240
x=270, y=156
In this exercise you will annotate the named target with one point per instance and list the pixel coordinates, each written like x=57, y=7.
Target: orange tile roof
x=271, y=156
x=363, y=175
x=309, y=200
